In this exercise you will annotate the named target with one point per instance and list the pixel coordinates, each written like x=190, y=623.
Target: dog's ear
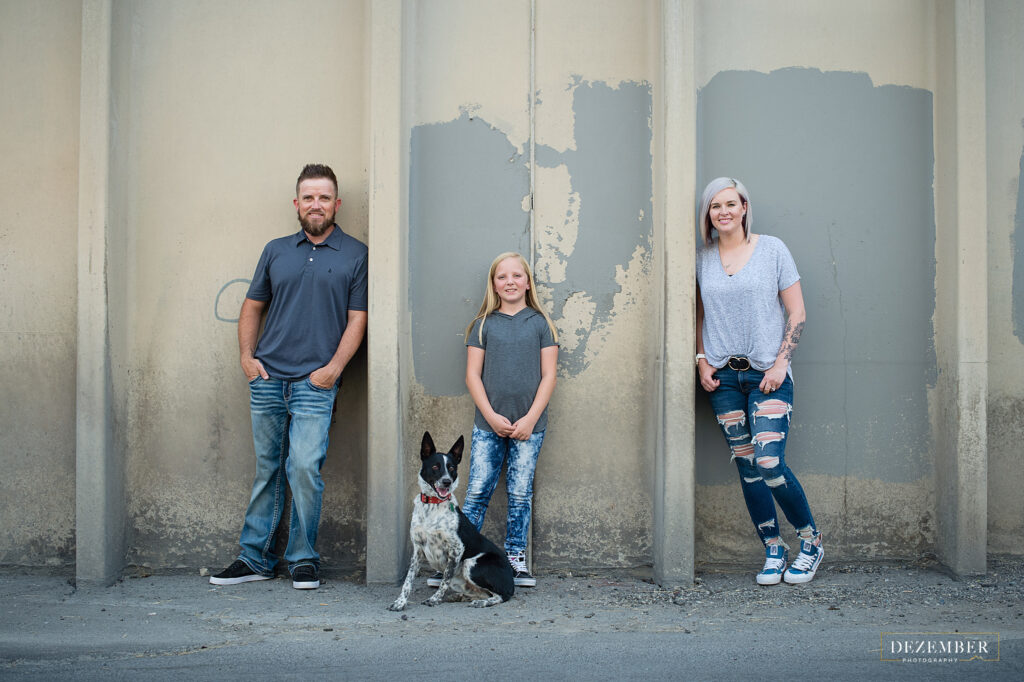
x=457, y=450
x=427, y=446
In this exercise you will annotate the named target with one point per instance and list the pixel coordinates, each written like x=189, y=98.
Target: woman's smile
x=726, y=210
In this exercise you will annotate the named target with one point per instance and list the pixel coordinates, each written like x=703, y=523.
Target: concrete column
x=386, y=495
x=971, y=529
x=962, y=333
x=674, y=476
x=99, y=503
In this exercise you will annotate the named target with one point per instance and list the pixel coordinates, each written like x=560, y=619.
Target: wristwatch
x=700, y=356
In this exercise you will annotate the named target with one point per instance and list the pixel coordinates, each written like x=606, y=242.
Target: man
x=312, y=287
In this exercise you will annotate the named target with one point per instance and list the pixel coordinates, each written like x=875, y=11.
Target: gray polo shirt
x=511, y=372
x=743, y=314
x=310, y=290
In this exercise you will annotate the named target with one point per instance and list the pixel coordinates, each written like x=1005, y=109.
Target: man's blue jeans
x=488, y=452
x=290, y=420
x=756, y=426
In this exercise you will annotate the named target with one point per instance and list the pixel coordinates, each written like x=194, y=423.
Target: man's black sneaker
x=306, y=577
x=237, y=572
x=435, y=580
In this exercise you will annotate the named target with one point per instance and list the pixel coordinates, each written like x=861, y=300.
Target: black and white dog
x=472, y=566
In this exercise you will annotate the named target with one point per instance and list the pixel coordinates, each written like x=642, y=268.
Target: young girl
x=512, y=353
x=750, y=314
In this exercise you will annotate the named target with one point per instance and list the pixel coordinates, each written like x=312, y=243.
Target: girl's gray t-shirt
x=511, y=371
x=743, y=314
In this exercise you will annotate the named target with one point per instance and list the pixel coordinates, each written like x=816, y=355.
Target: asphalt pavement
x=854, y=620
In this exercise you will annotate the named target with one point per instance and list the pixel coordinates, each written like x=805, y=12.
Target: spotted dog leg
x=403, y=596
x=446, y=582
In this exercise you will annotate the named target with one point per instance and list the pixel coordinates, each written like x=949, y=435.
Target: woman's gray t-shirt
x=743, y=314
x=511, y=371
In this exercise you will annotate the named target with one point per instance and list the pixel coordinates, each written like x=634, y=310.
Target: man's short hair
x=312, y=171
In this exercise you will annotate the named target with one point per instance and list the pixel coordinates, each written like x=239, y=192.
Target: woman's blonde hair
x=492, y=302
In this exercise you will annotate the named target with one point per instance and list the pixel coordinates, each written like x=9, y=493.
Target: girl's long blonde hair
x=492, y=302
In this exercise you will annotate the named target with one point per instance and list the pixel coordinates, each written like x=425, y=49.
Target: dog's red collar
x=430, y=499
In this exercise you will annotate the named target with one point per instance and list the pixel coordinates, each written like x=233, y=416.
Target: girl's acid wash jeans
x=488, y=453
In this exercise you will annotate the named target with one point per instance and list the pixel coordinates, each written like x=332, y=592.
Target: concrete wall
x=591, y=239
x=217, y=110
x=575, y=132
x=834, y=143
x=1004, y=52
x=40, y=47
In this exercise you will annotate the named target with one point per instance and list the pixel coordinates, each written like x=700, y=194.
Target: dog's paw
x=433, y=601
x=399, y=605
x=490, y=601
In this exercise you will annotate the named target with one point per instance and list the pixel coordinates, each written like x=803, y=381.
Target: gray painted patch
x=466, y=189
x=466, y=206
x=842, y=171
x=610, y=170
x=1018, y=257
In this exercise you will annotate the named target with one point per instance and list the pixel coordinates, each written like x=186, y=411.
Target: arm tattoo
x=797, y=331
x=790, y=338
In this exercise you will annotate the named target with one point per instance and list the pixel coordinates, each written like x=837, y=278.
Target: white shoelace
x=803, y=562
x=772, y=563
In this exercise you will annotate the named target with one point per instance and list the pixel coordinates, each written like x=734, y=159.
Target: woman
x=750, y=314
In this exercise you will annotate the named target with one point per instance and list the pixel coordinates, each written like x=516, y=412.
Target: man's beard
x=317, y=230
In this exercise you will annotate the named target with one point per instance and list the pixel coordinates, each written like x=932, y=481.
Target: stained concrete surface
x=601, y=625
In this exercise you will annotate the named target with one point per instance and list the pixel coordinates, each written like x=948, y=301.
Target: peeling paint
x=606, y=225
x=555, y=242
x=467, y=187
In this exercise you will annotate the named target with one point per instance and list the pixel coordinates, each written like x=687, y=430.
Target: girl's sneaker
x=520, y=572
x=435, y=580
x=806, y=563
x=774, y=565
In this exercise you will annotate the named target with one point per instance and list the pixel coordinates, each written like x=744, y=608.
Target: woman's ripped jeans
x=756, y=426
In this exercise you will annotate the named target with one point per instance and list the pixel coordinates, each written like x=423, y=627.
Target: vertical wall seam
x=971, y=529
x=675, y=481
x=99, y=509
x=533, y=134
x=533, y=190
x=386, y=495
